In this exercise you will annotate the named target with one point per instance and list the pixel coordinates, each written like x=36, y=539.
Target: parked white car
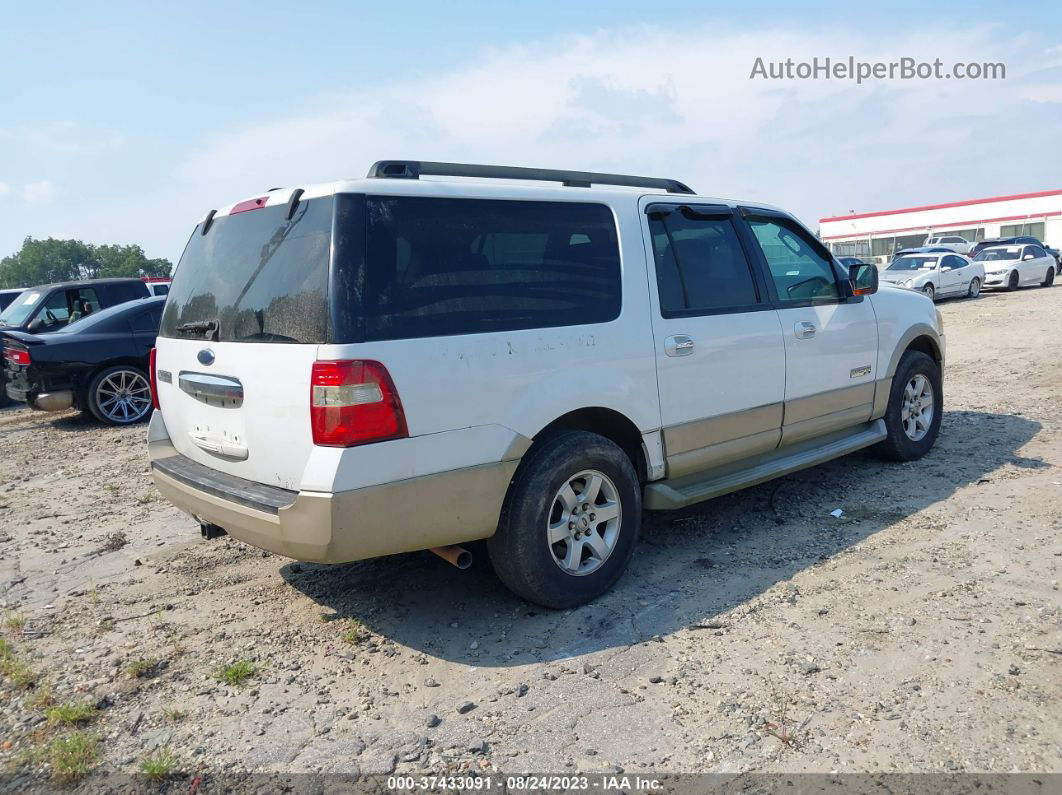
x=391, y=364
x=960, y=245
x=936, y=275
x=1011, y=267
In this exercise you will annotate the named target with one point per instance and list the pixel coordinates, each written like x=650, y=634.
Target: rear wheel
x=929, y=292
x=119, y=395
x=570, y=521
x=975, y=288
x=1049, y=277
x=1012, y=281
x=916, y=404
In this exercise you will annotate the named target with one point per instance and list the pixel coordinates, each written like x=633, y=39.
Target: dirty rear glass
x=259, y=277
x=410, y=267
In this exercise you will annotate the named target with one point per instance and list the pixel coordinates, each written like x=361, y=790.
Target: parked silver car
x=937, y=275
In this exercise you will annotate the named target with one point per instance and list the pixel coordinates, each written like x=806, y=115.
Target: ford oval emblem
x=206, y=357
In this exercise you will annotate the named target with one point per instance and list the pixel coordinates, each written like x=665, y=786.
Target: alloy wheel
x=124, y=396
x=918, y=409
x=584, y=522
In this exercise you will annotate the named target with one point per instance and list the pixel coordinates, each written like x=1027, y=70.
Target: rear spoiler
x=24, y=337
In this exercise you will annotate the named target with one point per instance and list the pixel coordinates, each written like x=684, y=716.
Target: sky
x=126, y=125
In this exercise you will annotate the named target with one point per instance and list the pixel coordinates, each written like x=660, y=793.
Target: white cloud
x=40, y=192
x=664, y=102
x=677, y=103
x=4, y=189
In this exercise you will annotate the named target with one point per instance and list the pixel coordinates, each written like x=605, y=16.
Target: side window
x=700, y=265
x=147, y=321
x=1036, y=251
x=799, y=271
x=437, y=267
x=83, y=303
x=954, y=262
x=55, y=311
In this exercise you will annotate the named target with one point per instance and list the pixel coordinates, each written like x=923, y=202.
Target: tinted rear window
x=426, y=267
x=261, y=277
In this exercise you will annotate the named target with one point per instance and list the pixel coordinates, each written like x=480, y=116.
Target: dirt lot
x=919, y=632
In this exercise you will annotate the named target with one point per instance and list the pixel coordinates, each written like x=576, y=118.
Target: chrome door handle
x=678, y=345
x=804, y=330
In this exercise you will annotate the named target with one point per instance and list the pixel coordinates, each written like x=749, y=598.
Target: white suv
x=392, y=364
x=960, y=245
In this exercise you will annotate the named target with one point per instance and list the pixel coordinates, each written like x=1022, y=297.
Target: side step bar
x=672, y=494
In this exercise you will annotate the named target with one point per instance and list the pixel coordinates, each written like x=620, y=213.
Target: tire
x=1049, y=277
x=975, y=288
x=899, y=444
x=1012, y=282
x=929, y=292
x=129, y=406
x=549, y=574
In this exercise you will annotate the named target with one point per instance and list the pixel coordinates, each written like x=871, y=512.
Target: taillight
x=352, y=403
x=15, y=356
x=154, y=380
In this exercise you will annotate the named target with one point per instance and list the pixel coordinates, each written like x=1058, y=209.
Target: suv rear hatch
x=247, y=308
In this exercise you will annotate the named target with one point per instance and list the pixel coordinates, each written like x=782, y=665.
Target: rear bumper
x=43, y=401
x=419, y=513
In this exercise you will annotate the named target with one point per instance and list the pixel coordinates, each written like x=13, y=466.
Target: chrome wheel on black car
x=119, y=395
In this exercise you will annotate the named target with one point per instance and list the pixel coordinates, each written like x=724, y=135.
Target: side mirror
x=1027, y=257
x=864, y=279
x=35, y=325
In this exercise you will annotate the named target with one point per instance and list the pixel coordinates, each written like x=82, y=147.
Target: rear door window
x=257, y=275
x=700, y=265
x=428, y=267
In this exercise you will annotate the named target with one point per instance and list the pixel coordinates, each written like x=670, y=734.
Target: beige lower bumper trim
x=434, y=510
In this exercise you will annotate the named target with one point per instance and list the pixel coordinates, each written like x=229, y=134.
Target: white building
x=879, y=234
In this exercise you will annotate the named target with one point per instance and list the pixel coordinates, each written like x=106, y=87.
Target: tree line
x=51, y=260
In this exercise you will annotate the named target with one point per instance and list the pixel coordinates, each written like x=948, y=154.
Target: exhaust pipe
x=458, y=556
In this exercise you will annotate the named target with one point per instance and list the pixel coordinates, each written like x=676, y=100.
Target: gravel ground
x=918, y=632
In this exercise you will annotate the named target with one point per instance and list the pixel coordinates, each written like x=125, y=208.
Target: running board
x=671, y=494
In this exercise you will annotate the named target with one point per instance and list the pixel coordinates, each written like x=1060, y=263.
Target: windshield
x=255, y=277
x=21, y=308
x=989, y=254
x=913, y=264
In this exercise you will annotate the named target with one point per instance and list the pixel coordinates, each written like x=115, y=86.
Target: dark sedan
x=98, y=364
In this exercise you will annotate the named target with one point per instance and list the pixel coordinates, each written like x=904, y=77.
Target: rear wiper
x=207, y=328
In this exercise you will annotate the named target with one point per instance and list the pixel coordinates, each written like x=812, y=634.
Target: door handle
x=678, y=345
x=804, y=330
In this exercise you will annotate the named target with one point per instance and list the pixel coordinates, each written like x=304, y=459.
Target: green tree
x=51, y=260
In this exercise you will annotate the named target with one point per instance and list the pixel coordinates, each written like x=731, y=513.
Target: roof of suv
x=86, y=283
x=501, y=182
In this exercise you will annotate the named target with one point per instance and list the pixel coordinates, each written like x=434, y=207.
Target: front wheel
x=975, y=288
x=1049, y=277
x=929, y=292
x=1012, y=281
x=570, y=521
x=916, y=405
x=119, y=395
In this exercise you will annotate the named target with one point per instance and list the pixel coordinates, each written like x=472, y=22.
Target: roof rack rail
x=415, y=169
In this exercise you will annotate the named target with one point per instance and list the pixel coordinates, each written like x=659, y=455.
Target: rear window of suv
x=260, y=277
x=426, y=267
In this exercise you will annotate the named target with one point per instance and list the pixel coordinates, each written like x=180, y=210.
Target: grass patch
x=42, y=698
x=144, y=499
x=174, y=713
x=158, y=764
x=71, y=757
x=12, y=668
x=106, y=625
x=15, y=622
x=237, y=674
x=354, y=632
x=70, y=714
x=140, y=668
